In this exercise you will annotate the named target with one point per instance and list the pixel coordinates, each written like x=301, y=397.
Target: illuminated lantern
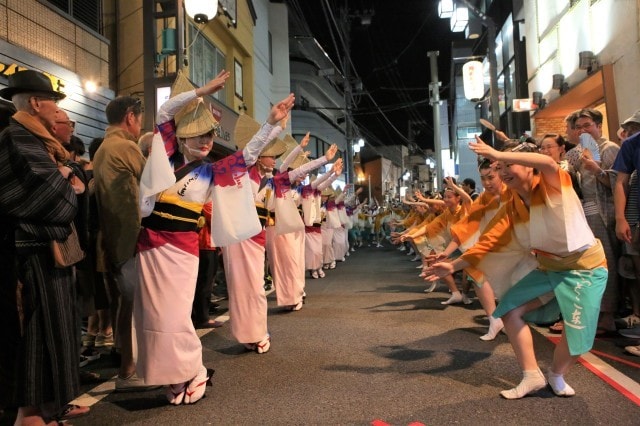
x=473, y=79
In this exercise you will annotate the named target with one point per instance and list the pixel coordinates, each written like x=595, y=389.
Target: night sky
x=390, y=58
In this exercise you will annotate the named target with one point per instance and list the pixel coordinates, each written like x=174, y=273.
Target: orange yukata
x=437, y=233
x=571, y=262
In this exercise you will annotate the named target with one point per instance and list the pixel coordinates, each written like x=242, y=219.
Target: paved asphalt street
x=370, y=347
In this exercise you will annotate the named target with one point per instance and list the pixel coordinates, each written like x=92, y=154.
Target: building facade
x=64, y=40
x=560, y=36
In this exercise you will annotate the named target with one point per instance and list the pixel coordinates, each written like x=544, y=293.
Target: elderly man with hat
x=39, y=361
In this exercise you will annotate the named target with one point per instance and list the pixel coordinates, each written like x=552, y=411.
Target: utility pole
x=434, y=101
x=493, y=72
x=346, y=25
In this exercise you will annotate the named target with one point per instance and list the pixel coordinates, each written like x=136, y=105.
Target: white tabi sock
x=559, y=386
x=533, y=380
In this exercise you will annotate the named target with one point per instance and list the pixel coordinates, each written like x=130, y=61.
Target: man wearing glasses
x=598, y=206
x=39, y=358
x=62, y=130
x=62, y=127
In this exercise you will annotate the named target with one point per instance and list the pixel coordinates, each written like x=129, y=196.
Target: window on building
x=205, y=61
x=304, y=103
x=229, y=8
x=87, y=12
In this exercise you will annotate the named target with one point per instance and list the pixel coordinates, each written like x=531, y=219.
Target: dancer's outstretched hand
x=438, y=270
x=280, y=110
x=214, y=85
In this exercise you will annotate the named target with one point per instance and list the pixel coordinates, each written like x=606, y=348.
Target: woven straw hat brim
x=275, y=148
x=195, y=118
x=299, y=161
x=291, y=144
x=328, y=192
x=245, y=128
x=181, y=84
x=196, y=122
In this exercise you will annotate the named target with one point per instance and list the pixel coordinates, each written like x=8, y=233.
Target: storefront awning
x=588, y=92
x=595, y=89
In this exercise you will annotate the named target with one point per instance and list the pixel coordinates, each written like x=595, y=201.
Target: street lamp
x=491, y=51
x=445, y=8
x=460, y=19
x=201, y=11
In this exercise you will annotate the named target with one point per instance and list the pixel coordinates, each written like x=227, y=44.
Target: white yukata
x=285, y=251
x=169, y=350
x=312, y=216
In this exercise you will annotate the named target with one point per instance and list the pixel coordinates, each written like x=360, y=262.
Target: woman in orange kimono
x=465, y=234
x=544, y=215
x=438, y=235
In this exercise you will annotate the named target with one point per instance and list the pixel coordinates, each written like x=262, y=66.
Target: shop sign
x=8, y=69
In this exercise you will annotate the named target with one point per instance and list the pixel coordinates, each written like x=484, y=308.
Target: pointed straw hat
x=290, y=143
x=181, y=84
x=246, y=127
x=300, y=160
x=197, y=121
x=328, y=192
x=275, y=148
x=195, y=118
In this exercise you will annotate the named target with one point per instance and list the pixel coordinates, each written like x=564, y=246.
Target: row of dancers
x=524, y=242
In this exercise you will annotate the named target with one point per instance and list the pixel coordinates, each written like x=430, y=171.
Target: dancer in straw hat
x=244, y=261
x=285, y=240
x=170, y=351
x=330, y=222
x=312, y=216
x=340, y=238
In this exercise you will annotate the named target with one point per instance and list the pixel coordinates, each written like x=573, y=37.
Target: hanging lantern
x=201, y=11
x=473, y=79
